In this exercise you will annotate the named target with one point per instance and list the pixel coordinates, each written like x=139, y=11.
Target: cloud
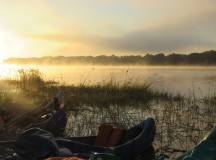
x=154, y=13
x=173, y=26
x=194, y=33
x=197, y=33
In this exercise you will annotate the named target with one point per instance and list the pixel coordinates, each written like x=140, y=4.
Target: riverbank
x=181, y=121
x=190, y=80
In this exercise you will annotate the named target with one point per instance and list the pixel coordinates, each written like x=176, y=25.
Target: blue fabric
x=60, y=118
x=57, y=123
x=37, y=144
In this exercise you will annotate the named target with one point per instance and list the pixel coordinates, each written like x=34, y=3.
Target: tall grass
x=32, y=84
x=13, y=104
x=181, y=122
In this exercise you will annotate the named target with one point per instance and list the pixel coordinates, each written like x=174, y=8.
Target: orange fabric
x=115, y=137
x=65, y=158
x=103, y=135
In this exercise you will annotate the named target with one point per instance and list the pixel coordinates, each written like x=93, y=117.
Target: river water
x=184, y=80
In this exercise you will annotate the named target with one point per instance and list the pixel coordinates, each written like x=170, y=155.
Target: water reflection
x=183, y=80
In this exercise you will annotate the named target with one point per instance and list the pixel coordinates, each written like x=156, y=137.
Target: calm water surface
x=177, y=80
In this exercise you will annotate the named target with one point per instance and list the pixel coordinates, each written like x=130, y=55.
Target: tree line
x=204, y=58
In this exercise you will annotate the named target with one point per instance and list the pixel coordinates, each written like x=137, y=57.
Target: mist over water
x=176, y=80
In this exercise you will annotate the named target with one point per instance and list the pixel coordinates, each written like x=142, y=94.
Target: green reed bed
x=31, y=83
x=181, y=122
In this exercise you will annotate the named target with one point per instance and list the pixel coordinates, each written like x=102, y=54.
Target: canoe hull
x=127, y=151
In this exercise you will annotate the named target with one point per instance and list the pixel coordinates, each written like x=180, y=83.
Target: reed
x=32, y=84
x=181, y=121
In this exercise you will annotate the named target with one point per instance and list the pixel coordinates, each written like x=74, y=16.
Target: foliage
x=204, y=58
x=181, y=121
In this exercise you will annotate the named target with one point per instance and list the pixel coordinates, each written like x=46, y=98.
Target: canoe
x=136, y=142
x=139, y=143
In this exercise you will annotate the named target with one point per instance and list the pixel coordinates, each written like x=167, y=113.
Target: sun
x=10, y=45
x=2, y=57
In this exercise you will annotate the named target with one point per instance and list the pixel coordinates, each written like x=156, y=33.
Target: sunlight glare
x=10, y=45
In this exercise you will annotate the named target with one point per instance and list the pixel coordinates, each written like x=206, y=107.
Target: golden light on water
x=9, y=71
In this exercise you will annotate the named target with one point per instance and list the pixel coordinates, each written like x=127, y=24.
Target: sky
x=32, y=28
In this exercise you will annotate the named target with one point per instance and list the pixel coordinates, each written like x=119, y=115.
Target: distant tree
x=204, y=58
